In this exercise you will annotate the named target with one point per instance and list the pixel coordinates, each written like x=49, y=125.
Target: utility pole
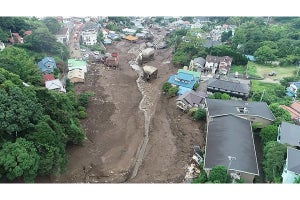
x=230, y=158
x=262, y=95
x=298, y=68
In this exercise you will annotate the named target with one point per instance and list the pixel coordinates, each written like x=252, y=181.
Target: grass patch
x=260, y=86
x=259, y=70
x=237, y=68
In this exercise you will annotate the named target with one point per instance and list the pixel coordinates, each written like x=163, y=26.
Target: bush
x=218, y=174
x=84, y=97
x=268, y=133
x=202, y=178
x=225, y=96
x=82, y=115
x=195, y=87
x=200, y=114
x=166, y=86
x=172, y=91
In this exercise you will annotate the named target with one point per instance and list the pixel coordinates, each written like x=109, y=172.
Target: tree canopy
x=218, y=174
x=52, y=24
x=274, y=158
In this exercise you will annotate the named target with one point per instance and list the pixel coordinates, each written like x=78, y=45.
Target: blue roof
x=289, y=93
x=185, y=76
x=186, y=84
x=297, y=84
x=47, y=65
x=183, y=90
x=250, y=57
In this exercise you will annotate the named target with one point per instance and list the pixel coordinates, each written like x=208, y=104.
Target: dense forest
x=36, y=124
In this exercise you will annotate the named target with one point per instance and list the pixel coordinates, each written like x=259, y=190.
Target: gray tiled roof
x=289, y=134
x=217, y=107
x=293, y=157
x=231, y=136
x=192, y=97
x=228, y=86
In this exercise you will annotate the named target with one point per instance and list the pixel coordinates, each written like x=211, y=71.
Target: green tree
x=17, y=61
x=100, y=36
x=202, y=178
x=49, y=140
x=274, y=158
x=264, y=53
x=218, y=174
x=200, y=114
x=166, y=86
x=225, y=96
x=268, y=133
x=19, y=109
x=195, y=87
x=83, y=98
x=297, y=180
x=52, y=24
x=42, y=41
x=172, y=91
x=19, y=159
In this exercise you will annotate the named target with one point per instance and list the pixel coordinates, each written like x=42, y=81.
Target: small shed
x=149, y=72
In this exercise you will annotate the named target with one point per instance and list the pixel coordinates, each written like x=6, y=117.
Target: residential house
x=235, y=89
x=250, y=58
x=197, y=75
x=28, y=32
x=291, y=169
x=107, y=41
x=76, y=76
x=191, y=99
x=229, y=142
x=131, y=38
x=47, y=77
x=292, y=89
x=255, y=112
x=77, y=64
x=212, y=63
x=89, y=33
x=56, y=85
x=289, y=134
x=294, y=110
x=198, y=64
x=47, y=65
x=128, y=31
x=2, y=46
x=184, y=81
x=15, y=37
x=225, y=64
x=63, y=36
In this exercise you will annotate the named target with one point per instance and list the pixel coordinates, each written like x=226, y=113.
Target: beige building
x=76, y=76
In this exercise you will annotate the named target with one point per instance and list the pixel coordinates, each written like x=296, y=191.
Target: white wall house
x=89, y=33
x=2, y=46
x=63, y=36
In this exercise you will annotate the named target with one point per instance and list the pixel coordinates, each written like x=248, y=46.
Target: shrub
x=172, y=91
x=82, y=114
x=202, y=178
x=195, y=87
x=200, y=114
x=166, y=86
x=83, y=98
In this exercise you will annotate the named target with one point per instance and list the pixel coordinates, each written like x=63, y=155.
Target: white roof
x=149, y=69
x=54, y=85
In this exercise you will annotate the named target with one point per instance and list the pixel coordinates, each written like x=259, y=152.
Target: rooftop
x=289, y=134
x=231, y=136
x=228, y=86
x=293, y=160
x=217, y=107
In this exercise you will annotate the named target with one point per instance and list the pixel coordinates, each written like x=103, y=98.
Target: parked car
x=272, y=73
x=83, y=50
x=96, y=52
